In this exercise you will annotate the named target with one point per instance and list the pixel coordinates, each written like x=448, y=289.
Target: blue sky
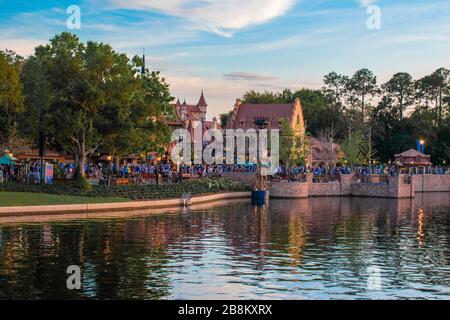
x=229, y=46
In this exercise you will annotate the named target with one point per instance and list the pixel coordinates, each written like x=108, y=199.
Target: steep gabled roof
x=202, y=101
x=178, y=103
x=246, y=114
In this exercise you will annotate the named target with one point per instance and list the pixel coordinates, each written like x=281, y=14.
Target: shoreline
x=119, y=206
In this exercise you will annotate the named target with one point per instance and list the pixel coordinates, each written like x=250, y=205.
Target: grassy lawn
x=10, y=199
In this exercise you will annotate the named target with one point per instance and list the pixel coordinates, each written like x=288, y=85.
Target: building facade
x=251, y=116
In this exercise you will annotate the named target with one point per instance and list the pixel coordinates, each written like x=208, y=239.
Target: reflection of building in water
x=420, y=227
x=297, y=238
x=260, y=217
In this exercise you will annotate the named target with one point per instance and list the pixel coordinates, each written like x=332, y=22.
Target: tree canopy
x=86, y=96
x=11, y=99
x=388, y=118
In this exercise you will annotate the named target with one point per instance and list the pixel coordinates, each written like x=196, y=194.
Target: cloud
x=22, y=46
x=222, y=17
x=245, y=76
x=221, y=94
x=366, y=3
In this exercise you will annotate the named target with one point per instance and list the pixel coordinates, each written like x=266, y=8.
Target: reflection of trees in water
x=350, y=234
x=119, y=258
x=297, y=238
x=136, y=258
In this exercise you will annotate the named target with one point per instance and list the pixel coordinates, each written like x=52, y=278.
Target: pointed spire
x=202, y=101
x=178, y=103
x=184, y=103
x=143, y=61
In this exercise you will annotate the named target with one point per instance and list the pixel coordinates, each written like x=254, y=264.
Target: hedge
x=134, y=192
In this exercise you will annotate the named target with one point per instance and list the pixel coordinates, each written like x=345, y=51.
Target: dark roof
x=246, y=114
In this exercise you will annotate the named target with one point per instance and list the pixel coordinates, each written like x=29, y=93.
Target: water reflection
x=299, y=249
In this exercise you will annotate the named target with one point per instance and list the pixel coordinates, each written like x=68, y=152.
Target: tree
x=158, y=99
x=441, y=84
x=352, y=146
x=136, y=123
x=424, y=91
x=335, y=89
x=293, y=147
x=362, y=86
x=266, y=97
x=401, y=88
x=224, y=118
x=84, y=80
x=369, y=148
x=11, y=100
x=37, y=93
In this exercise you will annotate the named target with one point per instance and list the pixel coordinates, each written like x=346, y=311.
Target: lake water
x=323, y=248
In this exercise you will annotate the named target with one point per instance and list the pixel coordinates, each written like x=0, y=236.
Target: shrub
x=135, y=192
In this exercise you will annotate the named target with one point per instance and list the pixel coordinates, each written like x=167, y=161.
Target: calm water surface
x=327, y=248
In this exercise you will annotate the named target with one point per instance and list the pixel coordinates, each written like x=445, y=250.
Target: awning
x=7, y=160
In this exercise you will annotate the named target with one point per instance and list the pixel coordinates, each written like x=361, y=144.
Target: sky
x=226, y=47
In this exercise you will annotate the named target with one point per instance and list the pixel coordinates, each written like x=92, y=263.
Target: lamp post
x=108, y=168
x=10, y=155
x=422, y=145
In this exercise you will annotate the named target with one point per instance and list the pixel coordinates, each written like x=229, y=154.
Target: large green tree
x=79, y=82
x=401, y=88
x=11, y=99
x=335, y=89
x=361, y=87
x=86, y=96
x=34, y=123
x=441, y=84
x=138, y=124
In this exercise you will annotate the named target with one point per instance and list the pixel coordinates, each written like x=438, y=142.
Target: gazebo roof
x=413, y=158
x=411, y=153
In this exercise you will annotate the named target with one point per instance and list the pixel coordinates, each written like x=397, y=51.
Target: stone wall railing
x=402, y=186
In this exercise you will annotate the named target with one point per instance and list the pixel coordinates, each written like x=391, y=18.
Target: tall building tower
x=202, y=106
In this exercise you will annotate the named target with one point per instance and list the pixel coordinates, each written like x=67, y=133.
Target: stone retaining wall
x=395, y=188
x=346, y=186
x=286, y=189
x=120, y=206
x=370, y=190
x=431, y=183
x=330, y=189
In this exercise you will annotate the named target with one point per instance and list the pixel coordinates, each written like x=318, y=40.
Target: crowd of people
x=102, y=171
